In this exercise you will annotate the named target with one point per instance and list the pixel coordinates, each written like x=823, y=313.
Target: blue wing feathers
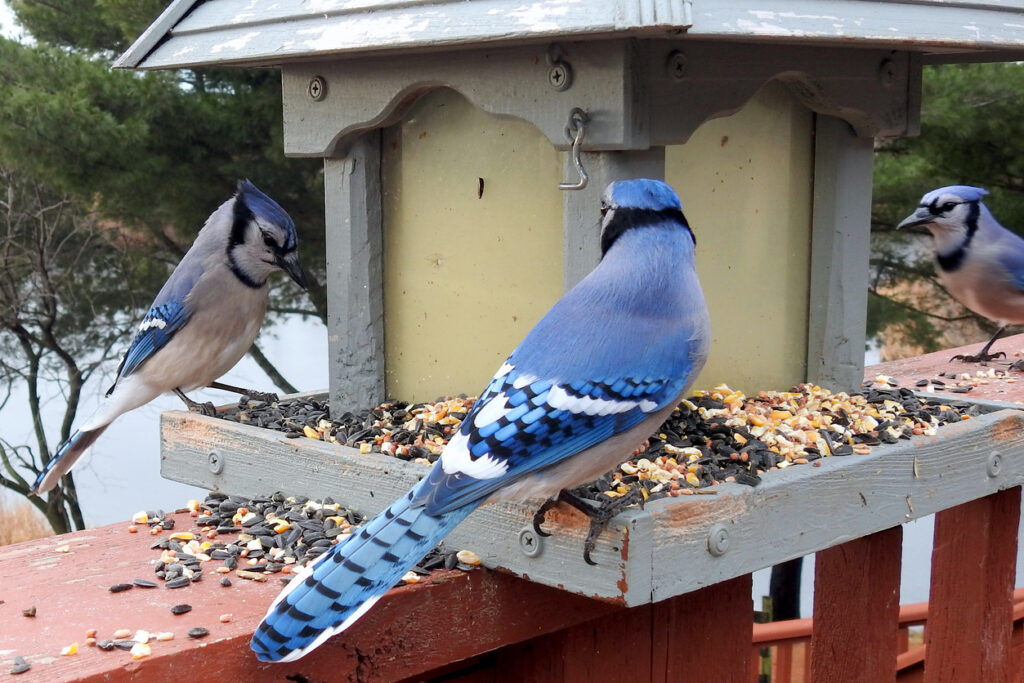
x=169, y=312
x=156, y=329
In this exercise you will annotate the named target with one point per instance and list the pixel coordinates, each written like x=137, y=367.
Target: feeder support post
x=355, y=323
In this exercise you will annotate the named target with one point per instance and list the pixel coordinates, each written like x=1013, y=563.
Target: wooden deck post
x=674, y=641
x=856, y=609
x=970, y=618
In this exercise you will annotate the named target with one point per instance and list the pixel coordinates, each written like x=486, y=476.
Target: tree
x=63, y=293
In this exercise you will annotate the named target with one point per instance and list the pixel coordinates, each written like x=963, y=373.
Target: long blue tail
x=65, y=458
x=345, y=581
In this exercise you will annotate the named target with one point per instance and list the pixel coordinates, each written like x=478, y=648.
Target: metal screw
x=994, y=464
x=675, y=65
x=718, y=540
x=887, y=72
x=560, y=76
x=215, y=461
x=317, y=89
x=529, y=542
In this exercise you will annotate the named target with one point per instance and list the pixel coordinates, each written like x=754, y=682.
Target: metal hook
x=574, y=130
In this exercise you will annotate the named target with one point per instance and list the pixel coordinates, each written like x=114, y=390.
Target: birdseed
x=712, y=437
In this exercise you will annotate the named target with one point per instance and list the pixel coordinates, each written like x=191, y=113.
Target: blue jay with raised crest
x=980, y=262
x=597, y=375
x=203, y=320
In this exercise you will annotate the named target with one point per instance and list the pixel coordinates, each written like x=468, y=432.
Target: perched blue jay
x=980, y=262
x=598, y=374
x=204, y=319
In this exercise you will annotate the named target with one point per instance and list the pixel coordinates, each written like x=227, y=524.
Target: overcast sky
x=7, y=26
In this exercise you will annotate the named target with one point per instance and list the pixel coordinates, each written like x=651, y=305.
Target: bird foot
x=978, y=358
x=599, y=513
x=1018, y=365
x=265, y=396
x=207, y=408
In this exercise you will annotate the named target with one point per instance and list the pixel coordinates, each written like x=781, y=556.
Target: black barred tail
x=334, y=591
x=66, y=457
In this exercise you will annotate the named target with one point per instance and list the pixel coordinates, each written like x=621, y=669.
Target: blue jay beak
x=289, y=263
x=922, y=216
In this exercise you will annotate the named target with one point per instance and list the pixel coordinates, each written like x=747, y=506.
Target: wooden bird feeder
x=446, y=129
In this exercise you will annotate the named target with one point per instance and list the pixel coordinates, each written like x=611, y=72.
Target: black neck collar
x=625, y=218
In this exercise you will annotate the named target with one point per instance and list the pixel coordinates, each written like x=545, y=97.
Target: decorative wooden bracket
x=637, y=93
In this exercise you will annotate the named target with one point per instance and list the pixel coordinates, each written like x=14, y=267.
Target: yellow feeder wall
x=466, y=275
x=746, y=183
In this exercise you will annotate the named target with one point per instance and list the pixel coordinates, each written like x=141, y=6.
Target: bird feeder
x=465, y=147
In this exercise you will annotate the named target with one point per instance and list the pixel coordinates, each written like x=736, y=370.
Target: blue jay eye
x=948, y=206
x=269, y=241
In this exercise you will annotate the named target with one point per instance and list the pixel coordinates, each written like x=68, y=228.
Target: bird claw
x=978, y=358
x=207, y=409
x=599, y=513
x=265, y=396
x=542, y=511
x=1018, y=365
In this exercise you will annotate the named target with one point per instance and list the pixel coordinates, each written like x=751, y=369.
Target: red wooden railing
x=973, y=622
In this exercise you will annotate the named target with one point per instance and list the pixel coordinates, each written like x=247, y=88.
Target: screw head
x=215, y=460
x=560, y=76
x=675, y=65
x=529, y=542
x=994, y=464
x=718, y=540
x=317, y=88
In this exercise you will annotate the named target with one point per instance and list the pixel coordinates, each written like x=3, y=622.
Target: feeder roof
x=269, y=32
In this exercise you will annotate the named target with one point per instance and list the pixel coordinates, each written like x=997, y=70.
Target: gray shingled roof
x=267, y=32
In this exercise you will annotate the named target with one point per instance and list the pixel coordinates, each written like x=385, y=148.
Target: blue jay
x=598, y=374
x=980, y=262
x=203, y=320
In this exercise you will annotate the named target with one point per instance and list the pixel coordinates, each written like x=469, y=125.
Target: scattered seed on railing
x=198, y=632
x=20, y=666
x=119, y=587
x=181, y=609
